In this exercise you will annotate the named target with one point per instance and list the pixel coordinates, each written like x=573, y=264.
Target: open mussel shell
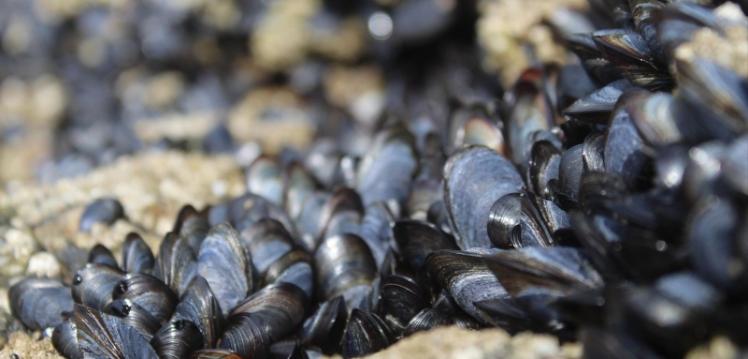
x=265, y=178
x=467, y=279
x=177, y=339
x=365, y=333
x=94, y=283
x=491, y=176
x=65, y=339
x=200, y=306
x=416, y=240
x=226, y=266
x=135, y=316
x=105, y=336
x=105, y=210
x=136, y=255
x=387, y=170
x=102, y=255
x=325, y=327
x=149, y=293
x=344, y=264
x=629, y=52
x=176, y=264
x=39, y=302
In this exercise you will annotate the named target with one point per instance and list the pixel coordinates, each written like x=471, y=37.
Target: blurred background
x=83, y=82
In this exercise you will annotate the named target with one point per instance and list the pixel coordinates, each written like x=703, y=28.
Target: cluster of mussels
x=604, y=201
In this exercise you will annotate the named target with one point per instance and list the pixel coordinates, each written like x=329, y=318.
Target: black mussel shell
x=375, y=230
x=200, y=306
x=176, y=263
x=192, y=225
x=386, y=172
x=265, y=178
x=134, y=316
x=245, y=336
x=40, y=302
x=325, y=327
x=65, y=339
x=491, y=176
x=365, y=333
x=416, y=240
x=105, y=336
x=136, y=255
x=149, y=293
x=177, y=339
x=226, y=266
x=343, y=265
x=401, y=299
x=102, y=255
x=94, y=283
x=104, y=210
x=466, y=278
x=279, y=308
x=537, y=269
x=597, y=106
x=515, y=222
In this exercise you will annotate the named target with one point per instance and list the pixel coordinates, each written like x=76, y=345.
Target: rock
x=453, y=342
x=44, y=264
x=24, y=345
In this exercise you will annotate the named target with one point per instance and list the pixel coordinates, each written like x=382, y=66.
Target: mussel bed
x=600, y=196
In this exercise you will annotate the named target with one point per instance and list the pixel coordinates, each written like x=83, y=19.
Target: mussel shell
x=416, y=240
x=192, y=225
x=245, y=336
x=104, y=210
x=515, y=221
x=545, y=160
x=325, y=327
x=136, y=255
x=343, y=262
x=267, y=240
x=176, y=264
x=134, y=316
x=279, y=308
x=102, y=255
x=490, y=177
x=226, y=266
x=65, y=339
x=375, y=230
x=536, y=269
x=94, y=283
x=149, y=293
x=39, y=302
x=467, y=279
x=105, y=336
x=365, y=333
x=342, y=213
x=265, y=178
x=386, y=172
x=177, y=339
x=597, y=106
x=200, y=306
x=401, y=299
x=625, y=152
x=299, y=184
